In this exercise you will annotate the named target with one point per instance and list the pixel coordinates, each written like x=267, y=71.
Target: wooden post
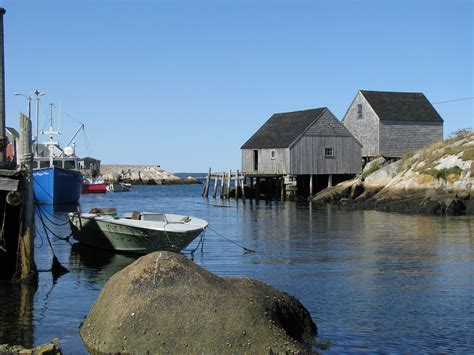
x=252, y=192
x=236, y=185
x=282, y=187
x=243, y=187
x=27, y=265
x=257, y=190
x=227, y=194
x=311, y=185
x=208, y=181
x=222, y=186
x=330, y=181
x=214, y=190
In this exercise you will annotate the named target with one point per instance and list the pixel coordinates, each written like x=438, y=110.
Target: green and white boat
x=135, y=232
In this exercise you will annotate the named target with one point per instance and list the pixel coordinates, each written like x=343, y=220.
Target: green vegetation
x=372, y=169
x=444, y=173
x=461, y=133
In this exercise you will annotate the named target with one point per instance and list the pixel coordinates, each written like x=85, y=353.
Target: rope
x=46, y=213
x=46, y=227
x=246, y=250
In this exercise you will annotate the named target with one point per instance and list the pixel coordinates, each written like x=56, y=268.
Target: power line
x=443, y=102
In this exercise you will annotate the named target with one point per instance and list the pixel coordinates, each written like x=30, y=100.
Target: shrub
x=444, y=173
x=372, y=169
x=461, y=133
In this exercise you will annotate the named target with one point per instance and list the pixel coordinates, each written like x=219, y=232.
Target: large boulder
x=163, y=302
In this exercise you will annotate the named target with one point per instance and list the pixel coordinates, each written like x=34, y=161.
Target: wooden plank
x=7, y=184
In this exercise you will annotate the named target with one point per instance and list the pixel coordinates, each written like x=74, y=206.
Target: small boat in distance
x=135, y=232
x=119, y=187
x=94, y=186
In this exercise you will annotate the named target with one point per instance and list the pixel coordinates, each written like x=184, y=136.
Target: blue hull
x=57, y=186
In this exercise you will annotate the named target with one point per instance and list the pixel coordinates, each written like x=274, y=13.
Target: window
x=273, y=154
x=69, y=164
x=44, y=164
x=359, y=111
x=329, y=152
x=35, y=165
x=255, y=160
x=58, y=163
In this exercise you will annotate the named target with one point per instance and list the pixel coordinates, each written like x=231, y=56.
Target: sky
x=183, y=84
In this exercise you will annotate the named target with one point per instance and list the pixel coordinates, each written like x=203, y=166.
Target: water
x=372, y=281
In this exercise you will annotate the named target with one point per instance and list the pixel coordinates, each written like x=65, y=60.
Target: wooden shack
x=301, y=152
x=391, y=124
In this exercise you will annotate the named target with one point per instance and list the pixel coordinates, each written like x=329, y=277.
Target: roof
x=282, y=129
x=401, y=106
x=12, y=131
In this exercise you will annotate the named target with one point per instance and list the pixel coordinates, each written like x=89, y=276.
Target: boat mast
x=50, y=143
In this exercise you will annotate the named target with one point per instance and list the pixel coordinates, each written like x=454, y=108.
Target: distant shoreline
x=143, y=175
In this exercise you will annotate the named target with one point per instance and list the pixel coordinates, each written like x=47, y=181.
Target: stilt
x=205, y=193
x=214, y=190
x=311, y=185
x=222, y=186
x=282, y=189
x=236, y=185
x=243, y=188
x=252, y=191
x=330, y=180
x=257, y=190
x=227, y=194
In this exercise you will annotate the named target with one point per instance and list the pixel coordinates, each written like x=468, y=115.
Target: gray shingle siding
x=365, y=129
x=398, y=138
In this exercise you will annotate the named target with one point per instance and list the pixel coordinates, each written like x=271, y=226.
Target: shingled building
x=391, y=124
x=304, y=149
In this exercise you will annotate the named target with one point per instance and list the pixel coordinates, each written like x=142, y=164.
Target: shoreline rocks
x=436, y=180
x=142, y=175
x=163, y=302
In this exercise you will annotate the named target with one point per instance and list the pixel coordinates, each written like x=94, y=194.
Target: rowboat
x=135, y=232
x=119, y=187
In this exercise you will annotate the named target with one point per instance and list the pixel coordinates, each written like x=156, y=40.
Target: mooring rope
x=246, y=250
x=45, y=226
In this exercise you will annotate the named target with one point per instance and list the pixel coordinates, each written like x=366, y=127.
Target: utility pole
x=38, y=94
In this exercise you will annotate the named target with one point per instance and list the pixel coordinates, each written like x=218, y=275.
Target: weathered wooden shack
x=302, y=151
x=391, y=124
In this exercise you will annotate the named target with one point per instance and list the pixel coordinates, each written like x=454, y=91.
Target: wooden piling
x=243, y=187
x=252, y=192
x=236, y=185
x=282, y=187
x=214, y=190
x=222, y=186
x=227, y=194
x=26, y=265
x=205, y=193
x=311, y=185
x=257, y=190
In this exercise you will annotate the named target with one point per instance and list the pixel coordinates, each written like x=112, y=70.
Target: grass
x=444, y=173
x=372, y=169
x=468, y=155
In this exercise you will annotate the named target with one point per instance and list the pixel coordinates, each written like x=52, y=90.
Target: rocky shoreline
x=436, y=180
x=142, y=175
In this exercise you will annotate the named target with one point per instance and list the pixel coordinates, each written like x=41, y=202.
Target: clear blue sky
x=184, y=84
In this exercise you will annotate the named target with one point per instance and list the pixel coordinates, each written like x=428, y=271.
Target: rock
x=44, y=349
x=356, y=190
x=163, y=302
x=372, y=166
x=382, y=176
x=141, y=174
x=456, y=207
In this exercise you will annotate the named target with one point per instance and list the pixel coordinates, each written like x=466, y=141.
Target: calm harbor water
x=373, y=281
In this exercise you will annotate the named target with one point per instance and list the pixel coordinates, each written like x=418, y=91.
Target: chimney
x=3, y=139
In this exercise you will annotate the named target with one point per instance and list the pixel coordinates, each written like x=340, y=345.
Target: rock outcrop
x=164, y=303
x=141, y=174
x=435, y=180
x=44, y=349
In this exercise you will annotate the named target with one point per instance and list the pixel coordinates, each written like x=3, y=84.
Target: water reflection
x=97, y=265
x=16, y=315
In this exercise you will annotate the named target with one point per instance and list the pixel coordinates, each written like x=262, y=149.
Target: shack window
x=359, y=111
x=329, y=152
x=255, y=160
x=273, y=154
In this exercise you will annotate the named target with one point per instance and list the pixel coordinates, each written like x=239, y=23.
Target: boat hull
x=106, y=234
x=100, y=188
x=57, y=186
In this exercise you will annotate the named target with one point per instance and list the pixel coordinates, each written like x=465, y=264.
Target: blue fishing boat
x=57, y=185
x=57, y=178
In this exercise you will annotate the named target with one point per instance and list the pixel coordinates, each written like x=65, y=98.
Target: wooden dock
x=222, y=183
